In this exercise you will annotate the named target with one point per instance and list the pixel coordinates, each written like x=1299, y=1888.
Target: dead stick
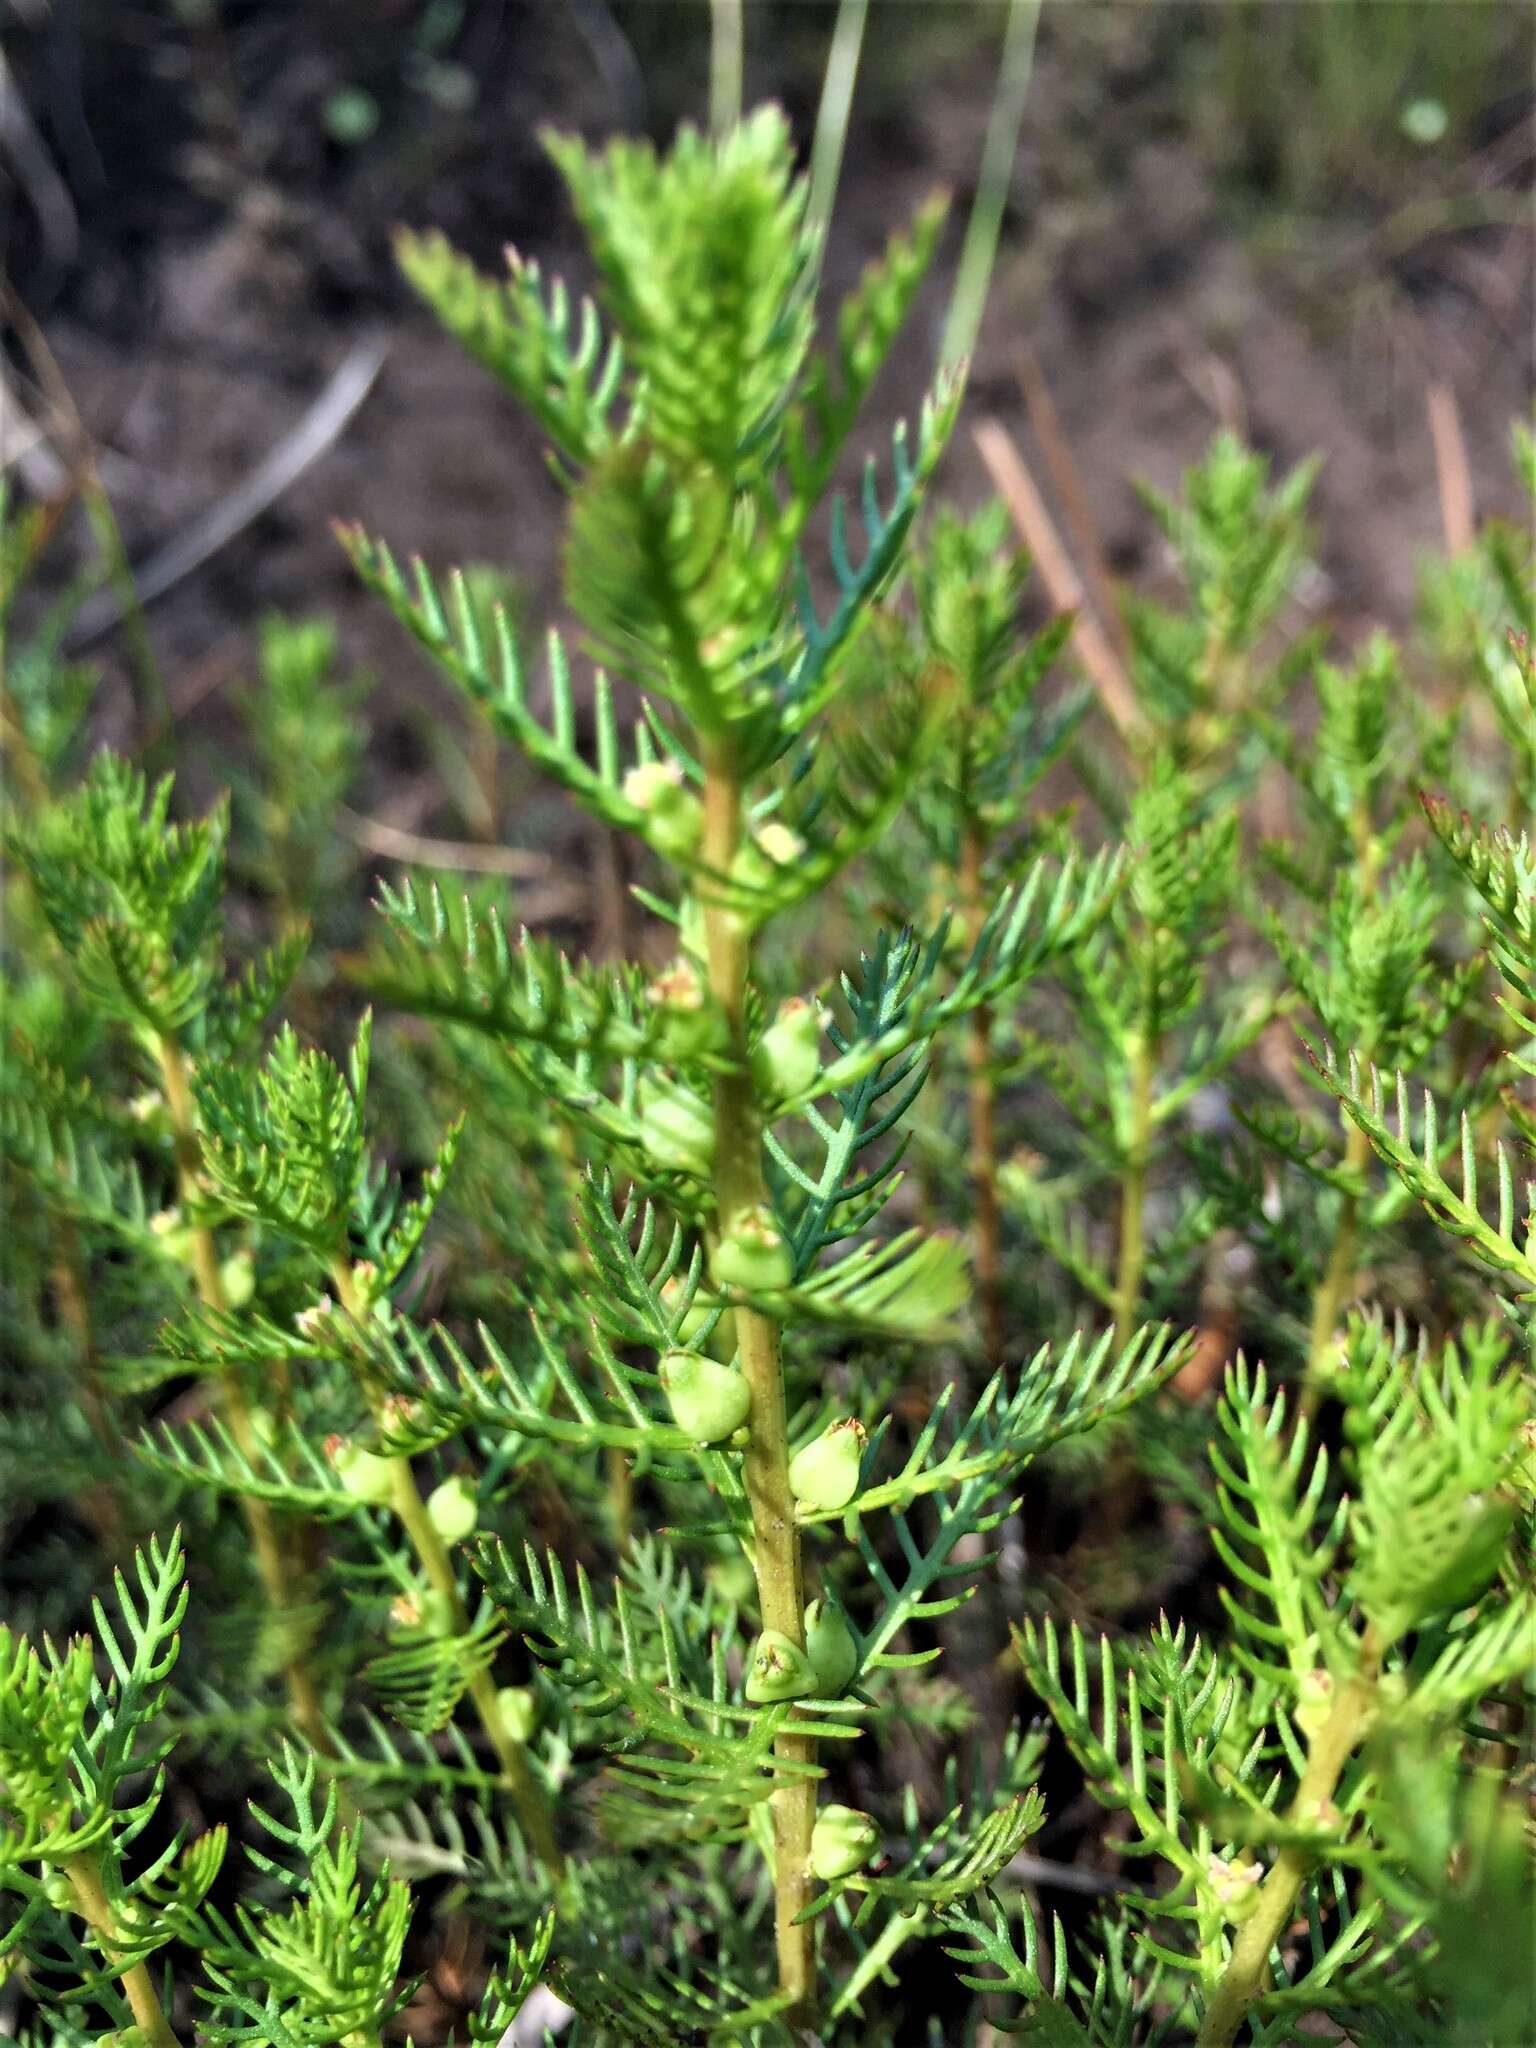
x=1067, y=480
x=1452, y=472
x=1017, y=487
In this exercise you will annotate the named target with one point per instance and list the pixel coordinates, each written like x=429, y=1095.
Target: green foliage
x=592, y=1408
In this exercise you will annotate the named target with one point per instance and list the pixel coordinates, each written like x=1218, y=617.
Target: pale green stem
x=517, y=1774
x=832, y=114
x=726, y=56
x=739, y=1188
x=1327, y=1756
x=280, y=1580
x=84, y=1874
x=1131, y=1263
x=1337, y=1283
x=979, y=250
x=897, y=1931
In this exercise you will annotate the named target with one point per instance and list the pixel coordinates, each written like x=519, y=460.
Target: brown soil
x=231, y=253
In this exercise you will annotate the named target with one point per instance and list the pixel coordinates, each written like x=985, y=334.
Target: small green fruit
x=779, y=1671
x=519, y=1711
x=364, y=1476
x=454, y=1508
x=752, y=1255
x=826, y=1473
x=831, y=1649
x=842, y=1841
x=677, y=1128
x=709, y=1401
x=674, y=817
x=237, y=1277
x=787, y=1058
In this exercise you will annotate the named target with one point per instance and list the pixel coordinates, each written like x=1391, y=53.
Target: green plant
x=618, y=1438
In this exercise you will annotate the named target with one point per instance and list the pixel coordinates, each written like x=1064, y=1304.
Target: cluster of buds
x=825, y=1474
x=824, y=1669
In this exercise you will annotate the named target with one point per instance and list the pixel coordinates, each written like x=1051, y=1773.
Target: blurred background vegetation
x=1298, y=220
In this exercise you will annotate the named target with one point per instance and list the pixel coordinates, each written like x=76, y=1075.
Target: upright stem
x=982, y=1098
x=832, y=113
x=523, y=1788
x=1338, y=1278
x=74, y=1312
x=974, y=272
x=739, y=1187
x=84, y=1874
x=1133, y=1191
x=1326, y=1757
x=726, y=52
x=281, y=1581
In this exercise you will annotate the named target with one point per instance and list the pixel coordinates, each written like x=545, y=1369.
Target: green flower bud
x=826, y=1473
x=709, y=1401
x=454, y=1508
x=842, y=1841
x=59, y=1892
x=779, y=1671
x=237, y=1277
x=752, y=1255
x=519, y=1711
x=691, y=1024
x=787, y=1058
x=831, y=1648
x=1235, y=1886
x=364, y=1476
x=674, y=817
x=677, y=1127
